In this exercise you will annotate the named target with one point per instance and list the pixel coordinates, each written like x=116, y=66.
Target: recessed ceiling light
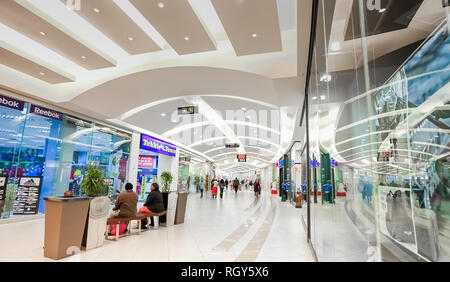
x=244, y=109
x=254, y=35
x=83, y=57
x=42, y=33
x=97, y=10
x=161, y=4
x=41, y=73
x=130, y=38
x=163, y=114
x=186, y=38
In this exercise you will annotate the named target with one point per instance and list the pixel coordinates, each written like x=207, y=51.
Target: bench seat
x=139, y=216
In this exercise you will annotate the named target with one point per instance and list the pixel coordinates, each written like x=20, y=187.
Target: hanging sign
x=156, y=145
x=242, y=158
x=28, y=195
x=189, y=110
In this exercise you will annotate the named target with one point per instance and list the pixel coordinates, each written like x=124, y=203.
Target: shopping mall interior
x=327, y=120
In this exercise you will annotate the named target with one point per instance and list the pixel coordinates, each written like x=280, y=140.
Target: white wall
x=170, y=164
x=134, y=158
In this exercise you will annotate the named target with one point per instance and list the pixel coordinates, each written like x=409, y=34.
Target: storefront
x=192, y=171
x=155, y=157
x=44, y=152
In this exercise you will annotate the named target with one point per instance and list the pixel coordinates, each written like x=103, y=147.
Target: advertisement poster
x=28, y=194
x=3, y=186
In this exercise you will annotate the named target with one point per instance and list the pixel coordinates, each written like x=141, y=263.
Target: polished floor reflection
x=235, y=228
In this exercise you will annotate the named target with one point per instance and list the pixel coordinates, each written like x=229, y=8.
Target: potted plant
x=93, y=185
x=168, y=198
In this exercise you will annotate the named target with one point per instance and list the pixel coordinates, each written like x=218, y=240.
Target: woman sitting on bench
x=154, y=203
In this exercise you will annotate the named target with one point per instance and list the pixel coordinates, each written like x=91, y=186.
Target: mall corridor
x=235, y=228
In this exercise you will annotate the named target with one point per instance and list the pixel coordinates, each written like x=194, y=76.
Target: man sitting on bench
x=126, y=203
x=154, y=204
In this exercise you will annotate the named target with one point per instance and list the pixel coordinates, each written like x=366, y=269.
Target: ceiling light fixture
x=186, y=38
x=163, y=114
x=130, y=38
x=161, y=5
x=41, y=73
x=83, y=57
x=42, y=33
x=382, y=10
x=244, y=109
x=254, y=35
x=314, y=98
x=323, y=97
x=97, y=10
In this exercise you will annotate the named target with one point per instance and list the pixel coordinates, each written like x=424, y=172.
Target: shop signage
x=280, y=163
x=334, y=163
x=314, y=163
x=48, y=113
x=11, y=103
x=28, y=195
x=146, y=161
x=155, y=145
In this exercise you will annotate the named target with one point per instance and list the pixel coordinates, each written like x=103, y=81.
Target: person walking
x=214, y=187
x=236, y=185
x=226, y=184
x=222, y=187
x=257, y=188
x=202, y=188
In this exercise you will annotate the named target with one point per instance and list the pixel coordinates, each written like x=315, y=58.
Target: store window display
x=44, y=153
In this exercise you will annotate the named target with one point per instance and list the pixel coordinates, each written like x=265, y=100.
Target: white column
x=134, y=159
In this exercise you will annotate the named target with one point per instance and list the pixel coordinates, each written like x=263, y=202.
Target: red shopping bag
x=122, y=227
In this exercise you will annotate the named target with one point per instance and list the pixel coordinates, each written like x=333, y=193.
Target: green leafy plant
x=167, y=179
x=93, y=183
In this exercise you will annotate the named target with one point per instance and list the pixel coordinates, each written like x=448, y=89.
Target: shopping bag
x=144, y=209
x=122, y=227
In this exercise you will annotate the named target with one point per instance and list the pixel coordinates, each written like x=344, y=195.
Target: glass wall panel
x=379, y=107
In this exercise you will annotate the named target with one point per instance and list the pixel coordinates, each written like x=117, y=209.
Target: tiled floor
x=235, y=228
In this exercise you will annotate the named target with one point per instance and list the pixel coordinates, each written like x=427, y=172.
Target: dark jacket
x=126, y=203
x=155, y=201
x=235, y=183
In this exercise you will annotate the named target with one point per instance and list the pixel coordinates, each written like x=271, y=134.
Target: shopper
x=202, y=187
x=257, y=188
x=126, y=203
x=226, y=184
x=222, y=187
x=236, y=185
x=214, y=188
x=154, y=203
